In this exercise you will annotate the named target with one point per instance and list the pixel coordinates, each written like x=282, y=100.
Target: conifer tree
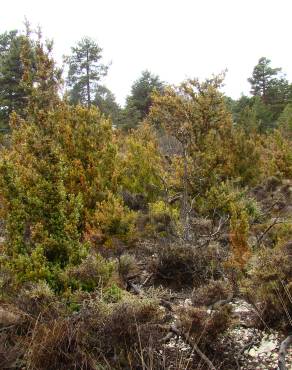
x=12, y=92
x=139, y=101
x=263, y=78
x=85, y=71
x=273, y=89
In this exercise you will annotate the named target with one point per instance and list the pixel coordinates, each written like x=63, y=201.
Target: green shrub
x=163, y=219
x=113, y=294
x=114, y=221
x=54, y=176
x=222, y=197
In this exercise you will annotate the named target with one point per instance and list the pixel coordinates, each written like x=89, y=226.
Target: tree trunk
x=88, y=80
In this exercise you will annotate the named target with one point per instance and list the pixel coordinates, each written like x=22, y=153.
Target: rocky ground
x=257, y=349
x=252, y=348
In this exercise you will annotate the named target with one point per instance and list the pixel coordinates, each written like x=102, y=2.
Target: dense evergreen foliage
x=12, y=92
x=139, y=101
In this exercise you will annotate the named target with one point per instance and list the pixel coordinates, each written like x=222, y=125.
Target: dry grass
x=212, y=292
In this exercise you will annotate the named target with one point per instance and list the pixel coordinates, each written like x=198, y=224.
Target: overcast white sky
x=175, y=39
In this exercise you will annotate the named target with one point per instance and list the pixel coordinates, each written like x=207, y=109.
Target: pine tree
x=274, y=91
x=263, y=78
x=139, y=101
x=13, y=97
x=85, y=71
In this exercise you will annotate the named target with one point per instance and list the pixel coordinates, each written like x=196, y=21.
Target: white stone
x=188, y=302
x=265, y=347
